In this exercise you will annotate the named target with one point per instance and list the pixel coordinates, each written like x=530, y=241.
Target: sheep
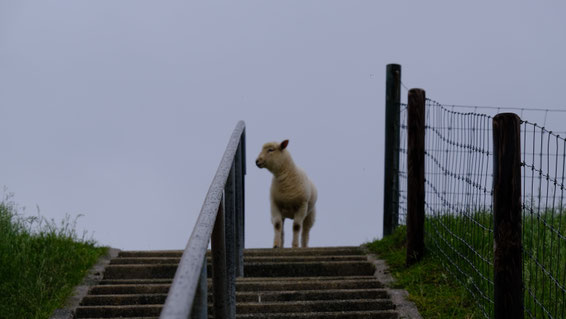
x=293, y=194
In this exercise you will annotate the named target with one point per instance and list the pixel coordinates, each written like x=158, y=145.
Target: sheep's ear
x=284, y=144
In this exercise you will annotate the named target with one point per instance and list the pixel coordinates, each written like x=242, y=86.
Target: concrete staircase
x=316, y=283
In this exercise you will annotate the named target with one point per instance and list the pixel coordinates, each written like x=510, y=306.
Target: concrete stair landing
x=315, y=283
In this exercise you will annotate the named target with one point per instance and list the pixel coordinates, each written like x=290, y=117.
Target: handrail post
x=243, y=221
x=239, y=212
x=415, y=175
x=219, y=284
x=507, y=243
x=200, y=304
x=230, y=238
x=391, y=171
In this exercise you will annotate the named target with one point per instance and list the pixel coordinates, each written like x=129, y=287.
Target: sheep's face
x=270, y=156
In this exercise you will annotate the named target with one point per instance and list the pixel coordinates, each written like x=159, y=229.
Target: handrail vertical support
x=200, y=304
x=244, y=172
x=239, y=213
x=219, y=276
x=230, y=237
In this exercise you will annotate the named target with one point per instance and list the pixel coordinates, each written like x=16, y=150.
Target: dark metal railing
x=221, y=220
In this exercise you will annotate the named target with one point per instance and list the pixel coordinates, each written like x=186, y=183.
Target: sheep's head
x=271, y=156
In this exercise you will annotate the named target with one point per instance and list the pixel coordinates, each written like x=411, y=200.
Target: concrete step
x=314, y=306
x=118, y=311
x=315, y=283
x=269, y=296
x=122, y=299
x=151, y=253
x=243, y=279
x=140, y=271
x=294, y=295
x=265, y=269
x=311, y=251
x=247, y=259
x=144, y=260
x=264, y=279
x=135, y=281
x=374, y=314
x=304, y=269
x=307, y=285
x=248, y=285
x=128, y=289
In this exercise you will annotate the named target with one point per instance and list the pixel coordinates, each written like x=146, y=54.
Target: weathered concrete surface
x=336, y=305
x=406, y=308
x=316, y=283
x=305, y=295
x=373, y=314
x=118, y=311
x=95, y=274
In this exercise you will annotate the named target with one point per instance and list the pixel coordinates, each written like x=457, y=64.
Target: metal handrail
x=221, y=220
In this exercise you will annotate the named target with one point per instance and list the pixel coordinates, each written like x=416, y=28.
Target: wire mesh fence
x=401, y=169
x=458, y=197
x=544, y=222
x=459, y=212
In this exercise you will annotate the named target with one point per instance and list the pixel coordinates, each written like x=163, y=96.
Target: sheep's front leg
x=277, y=221
x=298, y=224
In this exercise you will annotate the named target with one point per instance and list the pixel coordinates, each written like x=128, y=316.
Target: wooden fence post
x=415, y=175
x=507, y=246
x=390, y=177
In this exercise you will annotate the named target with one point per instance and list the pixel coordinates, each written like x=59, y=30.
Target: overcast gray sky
x=121, y=110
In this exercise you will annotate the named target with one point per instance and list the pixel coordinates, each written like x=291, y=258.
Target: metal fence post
x=415, y=175
x=507, y=262
x=391, y=178
x=219, y=276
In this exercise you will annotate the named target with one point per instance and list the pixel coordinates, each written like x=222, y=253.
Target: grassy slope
x=40, y=264
x=430, y=287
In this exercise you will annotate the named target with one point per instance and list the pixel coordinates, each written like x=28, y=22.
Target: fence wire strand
x=459, y=197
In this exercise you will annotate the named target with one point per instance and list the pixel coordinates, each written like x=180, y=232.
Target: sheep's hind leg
x=298, y=224
x=307, y=225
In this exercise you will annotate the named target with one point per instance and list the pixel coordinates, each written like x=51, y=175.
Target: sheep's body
x=293, y=195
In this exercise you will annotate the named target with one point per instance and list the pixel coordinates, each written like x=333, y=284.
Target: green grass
x=463, y=244
x=41, y=262
x=544, y=246
x=435, y=293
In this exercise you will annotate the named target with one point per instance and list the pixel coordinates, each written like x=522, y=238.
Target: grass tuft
x=41, y=262
x=435, y=293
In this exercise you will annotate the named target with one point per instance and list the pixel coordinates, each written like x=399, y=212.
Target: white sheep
x=293, y=195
